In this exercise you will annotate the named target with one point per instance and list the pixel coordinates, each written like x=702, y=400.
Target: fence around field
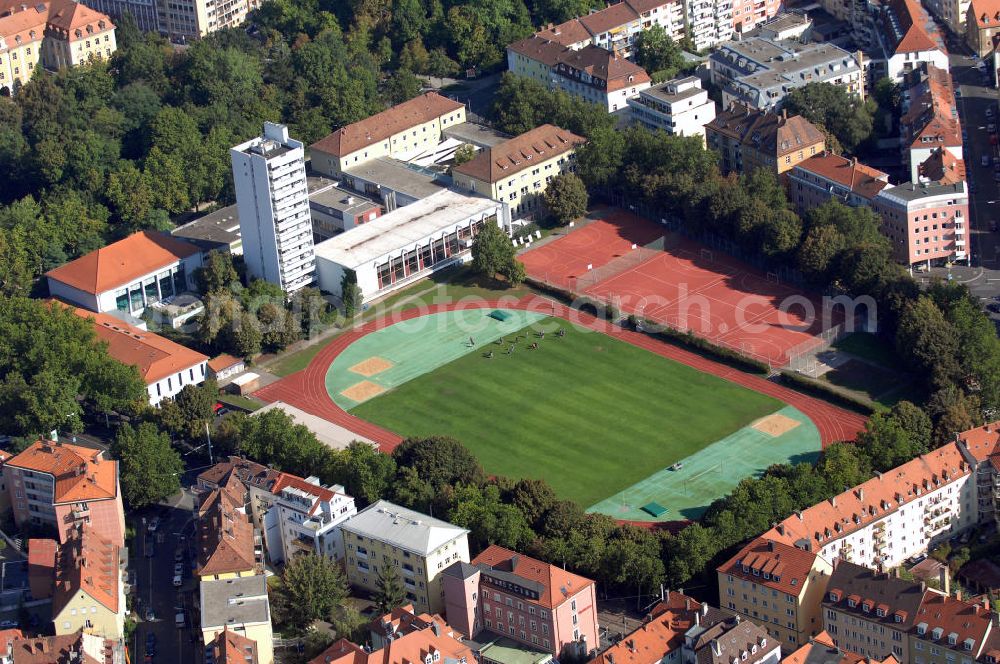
x=802, y=358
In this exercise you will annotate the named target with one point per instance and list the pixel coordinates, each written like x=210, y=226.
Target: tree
x=490, y=520
x=166, y=180
x=313, y=587
x=492, y=251
x=389, y=592
x=130, y=194
x=846, y=115
x=928, y=342
x=403, y=86
x=367, y=473
x=600, y=159
x=195, y=407
x=656, y=52
x=350, y=293
x=217, y=274
x=440, y=461
x=464, y=153
x=566, y=198
x=150, y=467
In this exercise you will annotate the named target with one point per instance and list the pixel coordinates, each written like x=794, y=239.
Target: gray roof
x=911, y=192
x=395, y=175
x=221, y=227
x=476, y=134
x=403, y=528
x=234, y=601
x=732, y=638
x=860, y=585
x=342, y=200
x=461, y=570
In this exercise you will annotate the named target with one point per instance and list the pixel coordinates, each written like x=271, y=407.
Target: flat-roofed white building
x=679, y=107
x=408, y=243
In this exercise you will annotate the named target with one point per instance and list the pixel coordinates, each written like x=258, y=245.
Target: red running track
x=306, y=389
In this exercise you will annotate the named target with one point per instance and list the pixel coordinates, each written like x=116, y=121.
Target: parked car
x=178, y=555
x=178, y=580
x=992, y=128
x=178, y=568
x=150, y=616
x=153, y=524
x=150, y=644
x=989, y=111
x=993, y=307
x=179, y=618
x=985, y=160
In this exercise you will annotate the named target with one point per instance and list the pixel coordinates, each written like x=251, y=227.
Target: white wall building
x=272, y=197
x=896, y=515
x=304, y=517
x=679, y=107
x=408, y=243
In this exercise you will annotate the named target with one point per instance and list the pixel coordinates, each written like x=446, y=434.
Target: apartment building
x=185, y=20
x=616, y=26
x=538, y=605
x=777, y=585
x=679, y=107
x=166, y=367
x=403, y=132
x=79, y=647
x=949, y=629
x=594, y=74
x=89, y=592
x=907, y=37
x=747, y=139
x=304, y=518
x=760, y=72
x=822, y=650
x=925, y=222
x=828, y=176
x=269, y=176
x=403, y=637
x=891, y=517
x=518, y=171
x=929, y=122
x=237, y=605
x=128, y=275
x=54, y=34
x=64, y=486
x=388, y=539
x=981, y=25
x=871, y=613
x=228, y=545
x=982, y=446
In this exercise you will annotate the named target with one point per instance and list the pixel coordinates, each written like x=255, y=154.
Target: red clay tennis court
x=684, y=286
x=601, y=241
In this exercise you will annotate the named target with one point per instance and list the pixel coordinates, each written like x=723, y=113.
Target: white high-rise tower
x=269, y=175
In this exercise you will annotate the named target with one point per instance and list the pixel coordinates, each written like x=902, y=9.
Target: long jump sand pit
x=371, y=366
x=775, y=425
x=363, y=391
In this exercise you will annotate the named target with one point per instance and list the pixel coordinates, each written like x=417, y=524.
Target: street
x=154, y=581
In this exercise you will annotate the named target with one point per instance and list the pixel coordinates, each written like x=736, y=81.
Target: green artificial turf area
x=588, y=413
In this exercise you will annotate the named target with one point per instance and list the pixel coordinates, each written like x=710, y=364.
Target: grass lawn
x=869, y=347
x=587, y=413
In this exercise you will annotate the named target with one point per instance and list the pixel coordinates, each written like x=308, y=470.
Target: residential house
x=89, y=592
x=949, y=629
x=225, y=366
x=616, y=26
x=748, y=139
x=926, y=222
x=388, y=539
x=518, y=171
x=77, y=648
x=828, y=176
x=907, y=38
x=228, y=545
x=228, y=647
x=62, y=486
x=165, y=366
x=127, y=275
x=55, y=34
x=403, y=131
x=679, y=107
x=982, y=446
x=304, y=517
x=538, y=605
x=777, y=585
x=423, y=639
x=760, y=72
x=238, y=605
x=982, y=24
x=929, y=121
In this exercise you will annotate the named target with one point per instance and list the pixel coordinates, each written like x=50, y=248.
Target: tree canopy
x=566, y=198
x=845, y=115
x=150, y=467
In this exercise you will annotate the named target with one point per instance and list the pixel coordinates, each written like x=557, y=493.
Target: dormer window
x=866, y=607
x=898, y=618
x=880, y=612
x=756, y=572
x=851, y=603
x=952, y=639
x=78, y=33
x=776, y=577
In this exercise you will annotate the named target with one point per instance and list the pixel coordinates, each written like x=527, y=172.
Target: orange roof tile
x=859, y=178
x=122, y=262
x=540, y=48
x=983, y=443
x=80, y=473
x=410, y=648
x=24, y=26
x=913, y=24
x=322, y=494
x=60, y=650
x=608, y=19
x=571, y=32
x=857, y=508
x=599, y=63
x=225, y=535
x=232, y=648
x=514, y=155
x=156, y=357
x=987, y=13
x=222, y=362
x=557, y=585
x=779, y=566
x=943, y=167
x=88, y=563
x=822, y=650
x=381, y=126
x=767, y=132
x=248, y=472
x=68, y=16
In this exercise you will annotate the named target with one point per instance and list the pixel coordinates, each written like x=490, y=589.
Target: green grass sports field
x=588, y=413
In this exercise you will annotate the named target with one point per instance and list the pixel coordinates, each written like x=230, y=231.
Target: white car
x=154, y=523
x=178, y=580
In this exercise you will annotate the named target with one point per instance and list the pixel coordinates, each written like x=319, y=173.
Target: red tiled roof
x=80, y=473
x=965, y=620
x=987, y=13
x=28, y=25
x=858, y=507
x=614, y=16
x=222, y=362
x=88, y=563
x=232, y=648
x=767, y=132
x=542, y=49
x=60, y=650
x=156, y=357
x=248, y=472
x=859, y=178
x=322, y=494
x=512, y=156
x=122, y=262
x=68, y=16
x=786, y=566
x=568, y=33
x=381, y=126
x=983, y=443
x=410, y=648
x=822, y=650
x=942, y=166
x=225, y=535
x=599, y=63
x=558, y=585
x=912, y=22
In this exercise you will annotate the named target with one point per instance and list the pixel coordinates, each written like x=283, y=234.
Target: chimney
x=833, y=501
x=861, y=494
x=704, y=608
x=945, y=580
x=958, y=595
